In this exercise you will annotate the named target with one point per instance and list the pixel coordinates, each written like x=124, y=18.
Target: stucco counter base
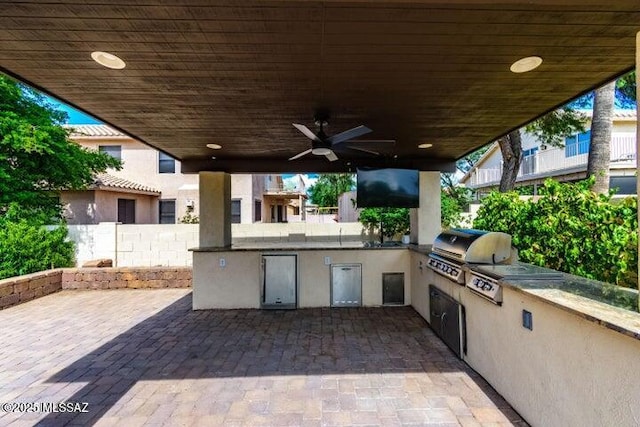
x=231, y=277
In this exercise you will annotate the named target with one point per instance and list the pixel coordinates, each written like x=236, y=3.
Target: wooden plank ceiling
x=239, y=73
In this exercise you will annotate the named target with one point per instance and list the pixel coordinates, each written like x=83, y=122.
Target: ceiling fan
x=323, y=145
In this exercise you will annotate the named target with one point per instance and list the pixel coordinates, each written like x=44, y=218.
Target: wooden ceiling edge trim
x=270, y=165
x=584, y=92
x=47, y=92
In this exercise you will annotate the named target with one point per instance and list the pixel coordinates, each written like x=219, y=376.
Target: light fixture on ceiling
x=214, y=146
x=320, y=151
x=213, y=157
x=426, y=145
x=524, y=65
x=108, y=60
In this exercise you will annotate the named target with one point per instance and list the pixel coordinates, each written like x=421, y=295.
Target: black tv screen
x=388, y=187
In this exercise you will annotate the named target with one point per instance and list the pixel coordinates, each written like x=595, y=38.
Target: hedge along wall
x=16, y=290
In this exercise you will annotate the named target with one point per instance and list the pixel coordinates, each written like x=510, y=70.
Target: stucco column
x=215, y=209
x=638, y=142
x=425, y=221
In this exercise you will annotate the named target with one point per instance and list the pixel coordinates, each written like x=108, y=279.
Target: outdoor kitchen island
x=561, y=351
x=317, y=274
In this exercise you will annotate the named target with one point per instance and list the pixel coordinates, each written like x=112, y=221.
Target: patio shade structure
x=238, y=74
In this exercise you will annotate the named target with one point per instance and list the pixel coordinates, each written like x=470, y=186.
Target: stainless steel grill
x=484, y=280
x=454, y=248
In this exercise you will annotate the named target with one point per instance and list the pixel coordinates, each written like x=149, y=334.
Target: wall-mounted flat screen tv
x=388, y=187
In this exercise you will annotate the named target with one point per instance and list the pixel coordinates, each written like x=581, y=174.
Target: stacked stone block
x=16, y=290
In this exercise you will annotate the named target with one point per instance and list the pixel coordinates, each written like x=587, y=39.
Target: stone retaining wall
x=16, y=290
x=126, y=277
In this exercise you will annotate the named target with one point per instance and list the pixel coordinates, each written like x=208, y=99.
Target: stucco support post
x=638, y=143
x=215, y=209
x=425, y=221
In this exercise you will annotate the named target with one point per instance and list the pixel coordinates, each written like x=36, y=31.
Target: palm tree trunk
x=511, y=149
x=599, y=148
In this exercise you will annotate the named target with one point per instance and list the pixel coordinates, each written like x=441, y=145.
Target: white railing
x=623, y=152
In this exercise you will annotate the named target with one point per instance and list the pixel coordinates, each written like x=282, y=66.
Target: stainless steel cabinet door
x=346, y=285
x=279, y=275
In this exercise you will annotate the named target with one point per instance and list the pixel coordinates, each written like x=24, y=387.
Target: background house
x=150, y=188
x=568, y=163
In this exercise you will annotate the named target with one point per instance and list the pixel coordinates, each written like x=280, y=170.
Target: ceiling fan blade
x=331, y=156
x=373, y=141
x=348, y=134
x=305, y=130
x=363, y=149
x=297, y=156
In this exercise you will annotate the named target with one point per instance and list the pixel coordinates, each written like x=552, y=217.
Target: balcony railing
x=623, y=152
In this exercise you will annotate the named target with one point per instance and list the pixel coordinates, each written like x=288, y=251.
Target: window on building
x=167, y=212
x=235, y=211
x=114, y=151
x=529, y=161
x=127, y=211
x=577, y=144
x=623, y=184
x=166, y=163
x=257, y=210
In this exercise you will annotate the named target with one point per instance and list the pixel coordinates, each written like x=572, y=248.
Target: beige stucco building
x=150, y=188
x=567, y=163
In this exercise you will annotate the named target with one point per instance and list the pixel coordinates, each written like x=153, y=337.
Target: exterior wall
x=80, y=207
x=16, y=290
x=567, y=371
x=168, y=244
x=248, y=188
x=140, y=165
x=106, y=203
x=237, y=284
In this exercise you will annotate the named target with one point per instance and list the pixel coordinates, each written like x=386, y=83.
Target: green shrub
x=571, y=229
x=394, y=220
x=27, y=246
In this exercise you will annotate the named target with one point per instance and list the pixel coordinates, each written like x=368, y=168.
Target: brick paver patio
x=144, y=358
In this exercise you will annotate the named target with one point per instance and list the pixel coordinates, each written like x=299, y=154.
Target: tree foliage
x=329, y=187
x=553, y=128
x=394, y=221
x=37, y=159
x=569, y=228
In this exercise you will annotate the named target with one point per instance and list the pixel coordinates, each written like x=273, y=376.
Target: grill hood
x=473, y=246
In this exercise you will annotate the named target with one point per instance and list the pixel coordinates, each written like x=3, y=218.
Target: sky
x=75, y=117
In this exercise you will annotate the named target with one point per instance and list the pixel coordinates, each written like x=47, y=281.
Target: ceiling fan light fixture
x=108, y=60
x=320, y=151
x=524, y=65
x=214, y=146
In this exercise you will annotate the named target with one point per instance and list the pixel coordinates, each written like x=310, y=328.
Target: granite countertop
x=299, y=246
x=611, y=306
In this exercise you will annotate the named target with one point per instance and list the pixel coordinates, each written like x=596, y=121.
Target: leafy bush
x=571, y=229
x=27, y=246
x=394, y=220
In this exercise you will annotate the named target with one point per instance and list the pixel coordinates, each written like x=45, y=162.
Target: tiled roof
x=95, y=131
x=106, y=180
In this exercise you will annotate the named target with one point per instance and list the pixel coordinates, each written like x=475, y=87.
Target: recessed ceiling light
x=524, y=65
x=108, y=60
x=214, y=146
x=213, y=157
x=427, y=145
